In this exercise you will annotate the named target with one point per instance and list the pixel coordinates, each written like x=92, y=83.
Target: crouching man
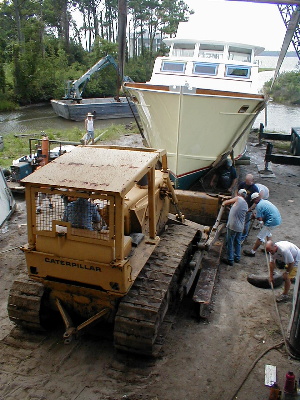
x=270, y=218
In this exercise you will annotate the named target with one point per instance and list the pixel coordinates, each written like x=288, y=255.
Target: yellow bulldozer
x=103, y=246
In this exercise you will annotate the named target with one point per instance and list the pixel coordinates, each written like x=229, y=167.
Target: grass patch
x=7, y=105
x=112, y=133
x=18, y=146
x=282, y=147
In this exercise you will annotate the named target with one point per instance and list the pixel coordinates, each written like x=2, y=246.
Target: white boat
x=199, y=104
x=7, y=202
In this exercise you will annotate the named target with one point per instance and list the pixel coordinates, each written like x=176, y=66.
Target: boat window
x=243, y=55
x=170, y=66
x=205, y=69
x=211, y=51
x=183, y=49
x=237, y=71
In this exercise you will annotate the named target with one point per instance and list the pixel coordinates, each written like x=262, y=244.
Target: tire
x=263, y=281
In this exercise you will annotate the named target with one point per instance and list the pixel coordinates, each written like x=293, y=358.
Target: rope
x=276, y=307
x=276, y=346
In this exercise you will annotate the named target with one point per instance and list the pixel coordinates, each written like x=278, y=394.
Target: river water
x=39, y=118
x=279, y=118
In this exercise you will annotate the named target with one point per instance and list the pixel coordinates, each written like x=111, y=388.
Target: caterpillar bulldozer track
x=103, y=246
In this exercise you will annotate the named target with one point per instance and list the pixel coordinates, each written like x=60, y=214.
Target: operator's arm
x=252, y=207
x=230, y=201
x=233, y=184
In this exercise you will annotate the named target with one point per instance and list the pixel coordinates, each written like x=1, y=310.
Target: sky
x=238, y=21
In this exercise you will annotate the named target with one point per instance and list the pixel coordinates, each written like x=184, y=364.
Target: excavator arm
x=73, y=90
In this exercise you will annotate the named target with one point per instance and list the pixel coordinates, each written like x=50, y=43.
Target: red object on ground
x=289, y=386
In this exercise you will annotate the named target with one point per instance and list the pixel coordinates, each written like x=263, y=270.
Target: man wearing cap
x=289, y=254
x=89, y=128
x=269, y=216
x=235, y=226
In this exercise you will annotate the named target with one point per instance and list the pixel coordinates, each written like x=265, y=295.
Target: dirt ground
x=200, y=360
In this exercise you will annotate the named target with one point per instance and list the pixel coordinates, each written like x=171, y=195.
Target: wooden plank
x=205, y=285
x=191, y=273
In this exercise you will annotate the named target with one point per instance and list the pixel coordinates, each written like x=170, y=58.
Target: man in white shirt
x=263, y=191
x=289, y=254
x=89, y=127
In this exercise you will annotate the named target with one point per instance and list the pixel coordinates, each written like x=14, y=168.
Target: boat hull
x=194, y=126
x=102, y=108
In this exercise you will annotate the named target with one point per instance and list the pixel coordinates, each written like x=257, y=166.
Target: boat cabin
x=208, y=65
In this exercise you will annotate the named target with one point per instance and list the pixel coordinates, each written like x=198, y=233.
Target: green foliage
x=286, y=89
x=7, y=105
x=13, y=149
x=103, y=83
x=39, y=51
x=140, y=68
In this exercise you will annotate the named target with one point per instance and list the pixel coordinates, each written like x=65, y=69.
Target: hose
x=276, y=346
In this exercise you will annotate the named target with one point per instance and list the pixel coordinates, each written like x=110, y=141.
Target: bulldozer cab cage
x=65, y=211
x=83, y=209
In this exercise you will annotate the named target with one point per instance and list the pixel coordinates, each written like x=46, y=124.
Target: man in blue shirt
x=269, y=216
x=81, y=213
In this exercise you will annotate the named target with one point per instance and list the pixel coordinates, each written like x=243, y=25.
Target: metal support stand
x=294, y=339
x=268, y=152
x=260, y=133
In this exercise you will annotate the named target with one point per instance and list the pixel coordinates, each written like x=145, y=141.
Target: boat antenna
x=122, y=23
x=293, y=24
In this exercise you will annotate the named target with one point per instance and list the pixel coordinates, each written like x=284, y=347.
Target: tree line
x=286, y=88
x=43, y=44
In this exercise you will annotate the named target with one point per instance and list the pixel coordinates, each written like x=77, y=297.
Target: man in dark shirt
x=225, y=176
x=81, y=213
x=251, y=188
